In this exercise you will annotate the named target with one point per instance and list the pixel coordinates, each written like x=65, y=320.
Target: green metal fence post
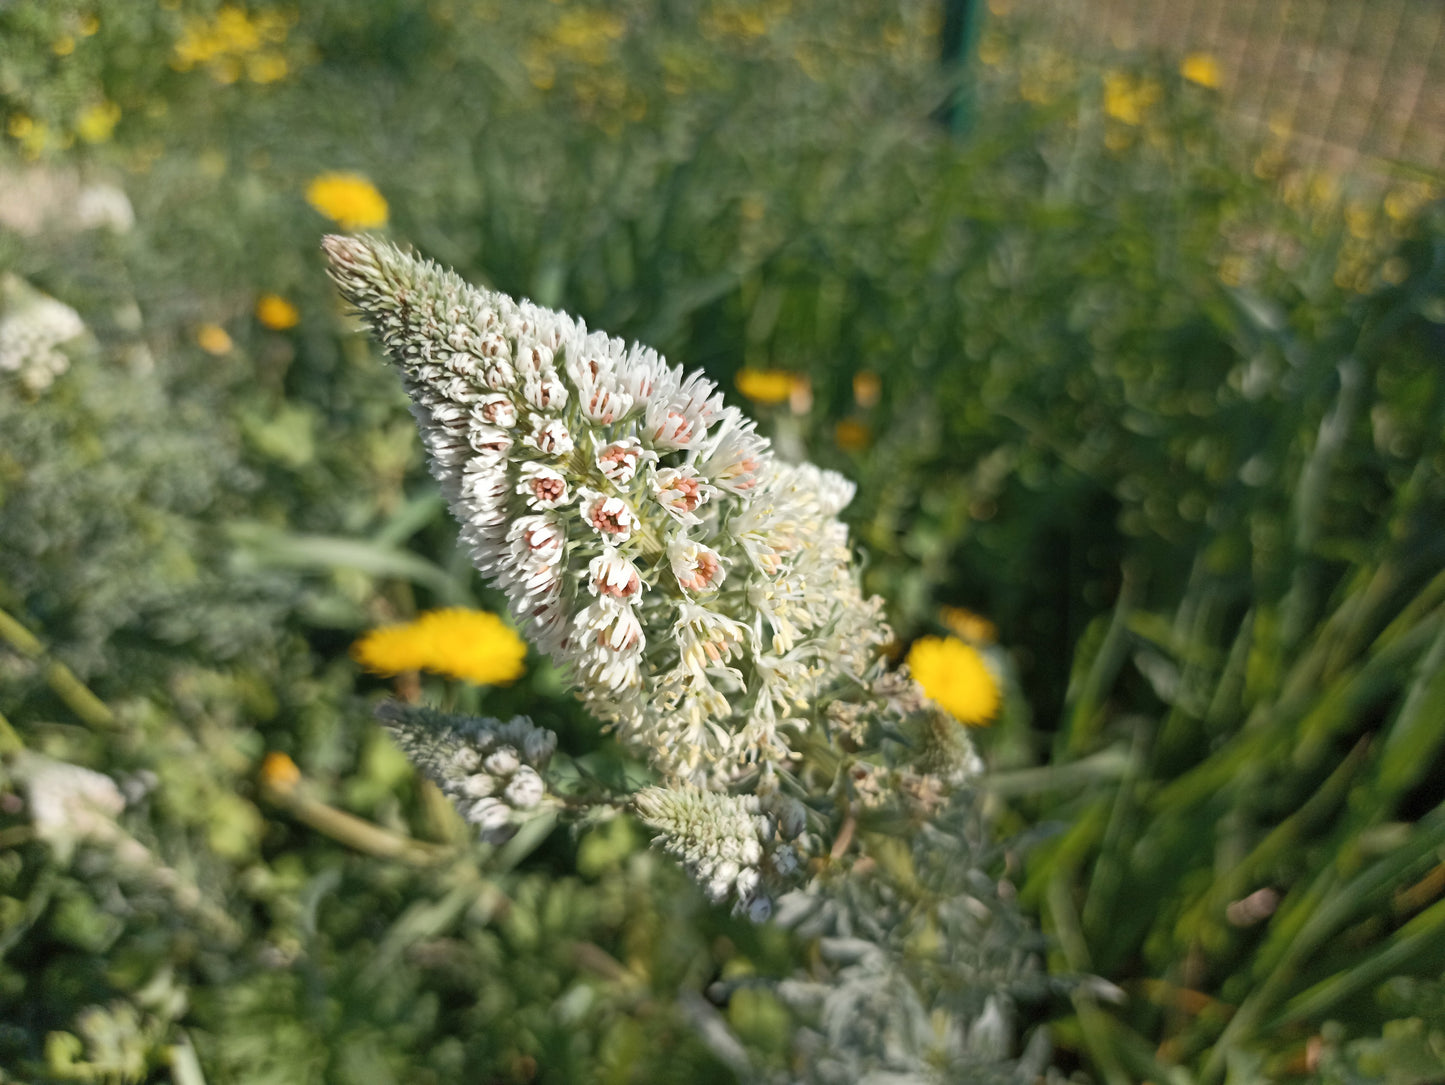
x=961, y=22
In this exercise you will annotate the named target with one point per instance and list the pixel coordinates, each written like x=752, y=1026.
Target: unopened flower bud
x=525, y=789
x=502, y=761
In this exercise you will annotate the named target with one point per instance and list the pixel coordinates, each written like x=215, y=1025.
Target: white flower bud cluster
x=493, y=772
x=701, y=593
x=730, y=844
x=32, y=327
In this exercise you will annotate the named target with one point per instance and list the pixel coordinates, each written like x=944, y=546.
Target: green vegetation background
x=1163, y=405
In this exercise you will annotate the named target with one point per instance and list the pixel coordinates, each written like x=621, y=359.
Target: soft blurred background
x=1128, y=317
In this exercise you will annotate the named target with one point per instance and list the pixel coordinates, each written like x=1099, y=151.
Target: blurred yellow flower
x=63, y=46
x=473, y=645
x=230, y=37
x=955, y=677
x=974, y=628
x=266, y=67
x=1127, y=98
x=212, y=338
x=1201, y=68
x=588, y=35
x=767, y=386
x=851, y=435
x=347, y=199
x=1402, y=204
x=276, y=313
x=867, y=387
x=1360, y=220
x=33, y=136
x=279, y=772
x=95, y=123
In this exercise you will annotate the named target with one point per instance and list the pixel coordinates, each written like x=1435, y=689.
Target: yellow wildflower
x=588, y=35
x=95, y=123
x=955, y=677
x=32, y=135
x=974, y=628
x=347, y=199
x=1127, y=98
x=852, y=435
x=279, y=772
x=1360, y=220
x=276, y=313
x=766, y=386
x=266, y=68
x=63, y=46
x=1201, y=68
x=472, y=645
x=867, y=387
x=212, y=338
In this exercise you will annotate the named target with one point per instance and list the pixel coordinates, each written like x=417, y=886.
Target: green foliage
x=1167, y=409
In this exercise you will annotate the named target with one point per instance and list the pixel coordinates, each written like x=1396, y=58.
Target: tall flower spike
x=701, y=594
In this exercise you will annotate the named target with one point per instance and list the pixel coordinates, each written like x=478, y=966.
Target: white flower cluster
x=700, y=592
x=68, y=803
x=32, y=327
x=734, y=846
x=491, y=771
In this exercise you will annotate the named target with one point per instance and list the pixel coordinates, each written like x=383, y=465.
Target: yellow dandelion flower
x=955, y=677
x=348, y=199
x=32, y=135
x=276, y=313
x=212, y=338
x=279, y=772
x=766, y=386
x=63, y=46
x=1126, y=98
x=95, y=123
x=1201, y=68
x=472, y=645
x=974, y=628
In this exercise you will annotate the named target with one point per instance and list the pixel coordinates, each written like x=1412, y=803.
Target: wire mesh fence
x=1348, y=85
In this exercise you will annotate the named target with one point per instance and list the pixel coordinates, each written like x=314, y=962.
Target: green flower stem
x=351, y=830
x=70, y=689
x=9, y=740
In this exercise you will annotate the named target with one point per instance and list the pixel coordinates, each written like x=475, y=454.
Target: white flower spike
x=701, y=593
